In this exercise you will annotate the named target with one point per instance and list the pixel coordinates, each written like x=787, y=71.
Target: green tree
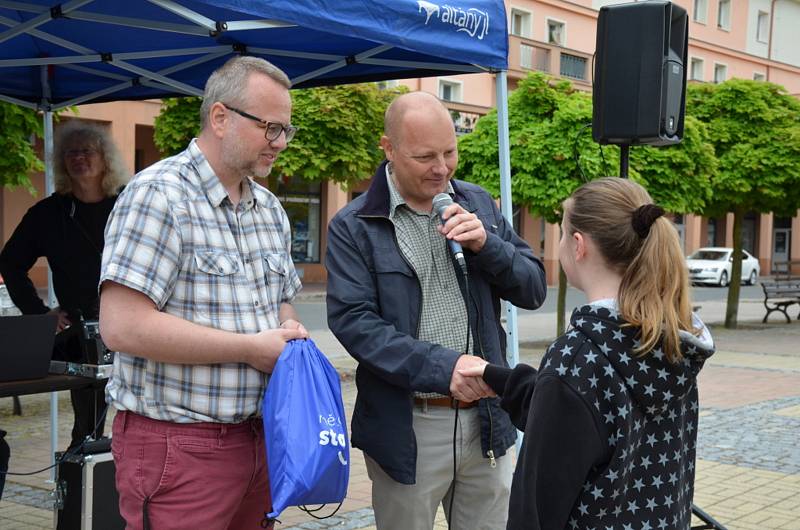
x=550, y=126
x=755, y=129
x=20, y=127
x=339, y=129
x=176, y=124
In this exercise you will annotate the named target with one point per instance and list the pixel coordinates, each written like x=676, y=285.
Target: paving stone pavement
x=748, y=470
x=768, y=440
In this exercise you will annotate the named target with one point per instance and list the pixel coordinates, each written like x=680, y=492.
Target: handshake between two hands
x=467, y=382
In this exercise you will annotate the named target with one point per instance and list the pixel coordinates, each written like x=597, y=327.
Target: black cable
x=463, y=267
x=603, y=156
x=453, y=485
x=576, y=154
x=70, y=452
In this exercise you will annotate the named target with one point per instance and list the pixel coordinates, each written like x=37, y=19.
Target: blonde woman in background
x=67, y=229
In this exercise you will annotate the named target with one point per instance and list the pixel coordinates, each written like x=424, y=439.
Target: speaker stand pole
x=624, y=152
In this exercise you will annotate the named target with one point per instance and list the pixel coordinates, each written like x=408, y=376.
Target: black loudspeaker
x=639, y=89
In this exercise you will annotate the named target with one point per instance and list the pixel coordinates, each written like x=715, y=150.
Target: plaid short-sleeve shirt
x=175, y=236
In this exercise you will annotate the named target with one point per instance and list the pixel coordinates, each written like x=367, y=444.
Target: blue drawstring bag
x=305, y=429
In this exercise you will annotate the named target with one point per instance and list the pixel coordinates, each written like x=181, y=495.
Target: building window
x=724, y=14
x=681, y=228
x=301, y=200
x=138, y=160
x=696, y=69
x=573, y=66
x=758, y=76
x=464, y=122
x=749, y=232
x=762, y=30
x=700, y=11
x=556, y=33
x=720, y=73
x=388, y=84
x=711, y=234
x=520, y=23
x=449, y=91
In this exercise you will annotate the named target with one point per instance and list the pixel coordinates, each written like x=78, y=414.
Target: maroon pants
x=198, y=475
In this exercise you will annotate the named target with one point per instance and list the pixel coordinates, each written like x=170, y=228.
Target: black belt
x=444, y=402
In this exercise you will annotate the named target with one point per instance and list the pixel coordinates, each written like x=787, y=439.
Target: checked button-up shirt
x=175, y=236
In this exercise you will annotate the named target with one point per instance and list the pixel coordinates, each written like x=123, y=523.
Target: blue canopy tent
x=54, y=55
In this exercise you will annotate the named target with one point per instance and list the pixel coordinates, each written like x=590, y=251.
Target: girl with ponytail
x=610, y=416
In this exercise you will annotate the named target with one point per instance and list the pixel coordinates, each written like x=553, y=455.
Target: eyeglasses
x=273, y=129
x=75, y=153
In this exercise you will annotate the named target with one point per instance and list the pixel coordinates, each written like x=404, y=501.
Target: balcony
x=464, y=115
x=525, y=55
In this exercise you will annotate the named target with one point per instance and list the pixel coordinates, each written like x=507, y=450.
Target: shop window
x=711, y=235
x=301, y=200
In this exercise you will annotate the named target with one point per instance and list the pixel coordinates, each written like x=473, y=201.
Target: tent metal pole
x=501, y=87
x=505, y=200
x=49, y=187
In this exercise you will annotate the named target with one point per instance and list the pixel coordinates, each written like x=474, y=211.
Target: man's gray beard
x=265, y=175
x=244, y=172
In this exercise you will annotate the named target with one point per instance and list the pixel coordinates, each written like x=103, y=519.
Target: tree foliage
x=552, y=153
x=679, y=177
x=176, y=124
x=550, y=127
x=20, y=127
x=339, y=129
x=755, y=129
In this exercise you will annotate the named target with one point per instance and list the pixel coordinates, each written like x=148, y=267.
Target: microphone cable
x=465, y=275
x=70, y=452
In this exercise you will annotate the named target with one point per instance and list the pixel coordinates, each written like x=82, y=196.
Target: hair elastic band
x=643, y=218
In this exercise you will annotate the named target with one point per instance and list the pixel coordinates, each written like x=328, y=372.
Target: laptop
x=26, y=346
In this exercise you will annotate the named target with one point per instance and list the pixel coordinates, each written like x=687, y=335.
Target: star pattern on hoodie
x=648, y=407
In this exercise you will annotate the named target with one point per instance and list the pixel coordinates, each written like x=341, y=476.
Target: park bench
x=780, y=293
x=786, y=269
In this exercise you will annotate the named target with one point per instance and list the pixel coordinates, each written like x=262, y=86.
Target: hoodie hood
x=652, y=382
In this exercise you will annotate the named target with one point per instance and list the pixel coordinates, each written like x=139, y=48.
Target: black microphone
x=440, y=203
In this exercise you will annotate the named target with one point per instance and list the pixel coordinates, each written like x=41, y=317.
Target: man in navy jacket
x=396, y=302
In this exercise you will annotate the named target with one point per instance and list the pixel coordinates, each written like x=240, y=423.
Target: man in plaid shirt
x=196, y=284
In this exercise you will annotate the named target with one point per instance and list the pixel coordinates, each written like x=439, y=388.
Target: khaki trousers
x=481, y=491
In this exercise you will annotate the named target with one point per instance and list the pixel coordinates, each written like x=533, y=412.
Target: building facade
x=751, y=39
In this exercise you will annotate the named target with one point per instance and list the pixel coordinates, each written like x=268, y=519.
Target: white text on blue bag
x=329, y=435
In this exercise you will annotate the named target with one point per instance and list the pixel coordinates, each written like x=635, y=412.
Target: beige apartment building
x=751, y=39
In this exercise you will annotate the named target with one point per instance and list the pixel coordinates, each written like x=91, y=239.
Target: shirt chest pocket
x=275, y=263
x=275, y=271
x=214, y=285
x=215, y=262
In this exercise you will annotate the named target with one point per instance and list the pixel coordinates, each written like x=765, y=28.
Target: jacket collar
x=377, y=202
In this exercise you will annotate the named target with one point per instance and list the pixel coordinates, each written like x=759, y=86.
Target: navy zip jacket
x=610, y=436
x=373, y=309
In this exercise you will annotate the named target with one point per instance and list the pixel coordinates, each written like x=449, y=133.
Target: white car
x=713, y=265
